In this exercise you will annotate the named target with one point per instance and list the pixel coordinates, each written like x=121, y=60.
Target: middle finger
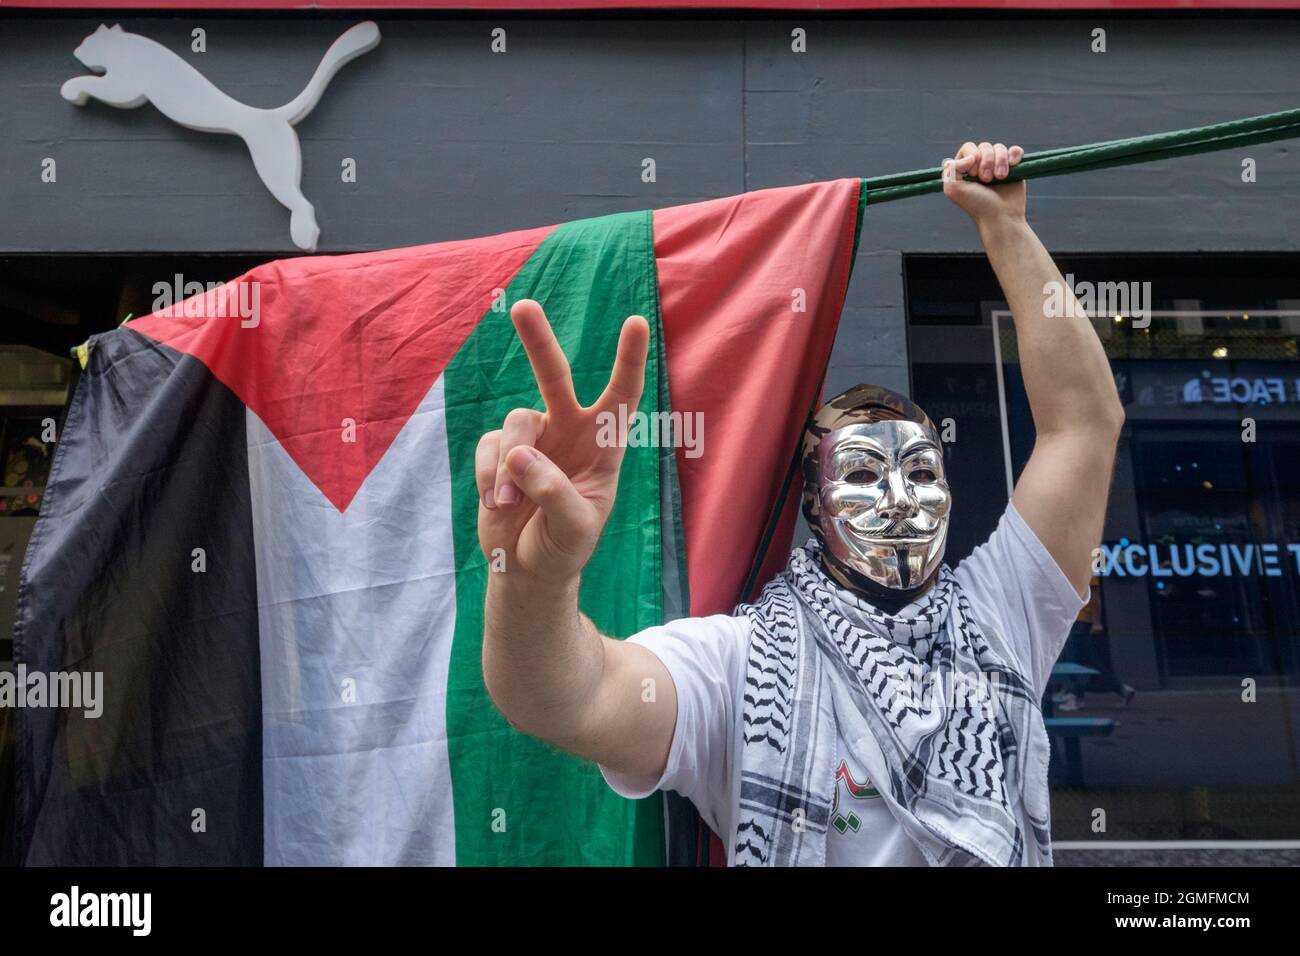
x=1001, y=164
x=986, y=162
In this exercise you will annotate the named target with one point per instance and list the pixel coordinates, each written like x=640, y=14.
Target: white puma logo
x=132, y=70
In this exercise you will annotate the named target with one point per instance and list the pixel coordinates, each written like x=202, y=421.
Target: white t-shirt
x=1014, y=587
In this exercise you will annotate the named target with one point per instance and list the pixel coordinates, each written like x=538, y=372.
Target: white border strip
x=994, y=316
x=1176, y=845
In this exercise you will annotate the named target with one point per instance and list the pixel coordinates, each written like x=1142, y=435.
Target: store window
x=48, y=305
x=1173, y=706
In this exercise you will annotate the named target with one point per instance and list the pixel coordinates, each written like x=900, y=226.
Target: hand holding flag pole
x=1266, y=128
x=988, y=164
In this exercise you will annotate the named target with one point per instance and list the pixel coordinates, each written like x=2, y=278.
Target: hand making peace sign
x=546, y=486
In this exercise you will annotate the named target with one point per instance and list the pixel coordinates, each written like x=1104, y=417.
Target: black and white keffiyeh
x=958, y=724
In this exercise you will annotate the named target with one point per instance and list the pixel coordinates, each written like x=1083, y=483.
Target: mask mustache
x=899, y=529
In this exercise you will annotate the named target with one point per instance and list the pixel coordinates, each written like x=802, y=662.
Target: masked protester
x=938, y=752
x=873, y=706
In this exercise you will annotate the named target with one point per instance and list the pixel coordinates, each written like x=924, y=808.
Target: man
x=823, y=724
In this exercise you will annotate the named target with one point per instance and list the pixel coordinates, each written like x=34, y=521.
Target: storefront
x=467, y=123
x=1173, y=705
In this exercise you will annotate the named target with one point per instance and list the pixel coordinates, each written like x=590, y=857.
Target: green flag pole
x=1120, y=152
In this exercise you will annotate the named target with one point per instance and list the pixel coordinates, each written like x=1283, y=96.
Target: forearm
x=542, y=658
x=546, y=484
x=1066, y=374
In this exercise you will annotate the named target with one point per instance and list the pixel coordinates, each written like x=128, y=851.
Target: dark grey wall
x=452, y=140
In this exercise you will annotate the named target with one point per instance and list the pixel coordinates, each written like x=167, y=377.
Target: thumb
x=570, y=521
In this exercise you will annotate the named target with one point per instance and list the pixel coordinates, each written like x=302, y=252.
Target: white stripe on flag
x=356, y=613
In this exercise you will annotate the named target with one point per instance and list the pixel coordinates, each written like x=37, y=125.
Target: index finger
x=966, y=156
x=550, y=367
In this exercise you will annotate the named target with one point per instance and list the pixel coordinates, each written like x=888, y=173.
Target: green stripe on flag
x=549, y=808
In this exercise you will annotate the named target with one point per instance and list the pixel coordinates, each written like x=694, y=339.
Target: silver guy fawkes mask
x=884, y=501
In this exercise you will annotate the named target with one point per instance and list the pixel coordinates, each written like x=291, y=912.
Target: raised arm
x=546, y=488
x=1077, y=413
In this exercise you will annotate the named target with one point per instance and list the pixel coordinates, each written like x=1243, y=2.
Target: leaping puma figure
x=132, y=70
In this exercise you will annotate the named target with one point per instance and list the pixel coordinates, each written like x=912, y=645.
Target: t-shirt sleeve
x=706, y=658
x=1014, y=585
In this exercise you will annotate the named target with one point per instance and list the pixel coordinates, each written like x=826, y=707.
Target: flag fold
x=260, y=528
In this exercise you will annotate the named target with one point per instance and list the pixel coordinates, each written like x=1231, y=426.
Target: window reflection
x=1170, y=707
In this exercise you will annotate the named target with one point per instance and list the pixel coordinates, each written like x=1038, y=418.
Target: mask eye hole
x=862, y=476
x=923, y=476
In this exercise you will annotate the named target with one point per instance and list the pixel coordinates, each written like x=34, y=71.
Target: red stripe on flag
x=358, y=338
x=739, y=352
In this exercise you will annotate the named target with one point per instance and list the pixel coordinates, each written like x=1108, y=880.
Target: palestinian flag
x=261, y=529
